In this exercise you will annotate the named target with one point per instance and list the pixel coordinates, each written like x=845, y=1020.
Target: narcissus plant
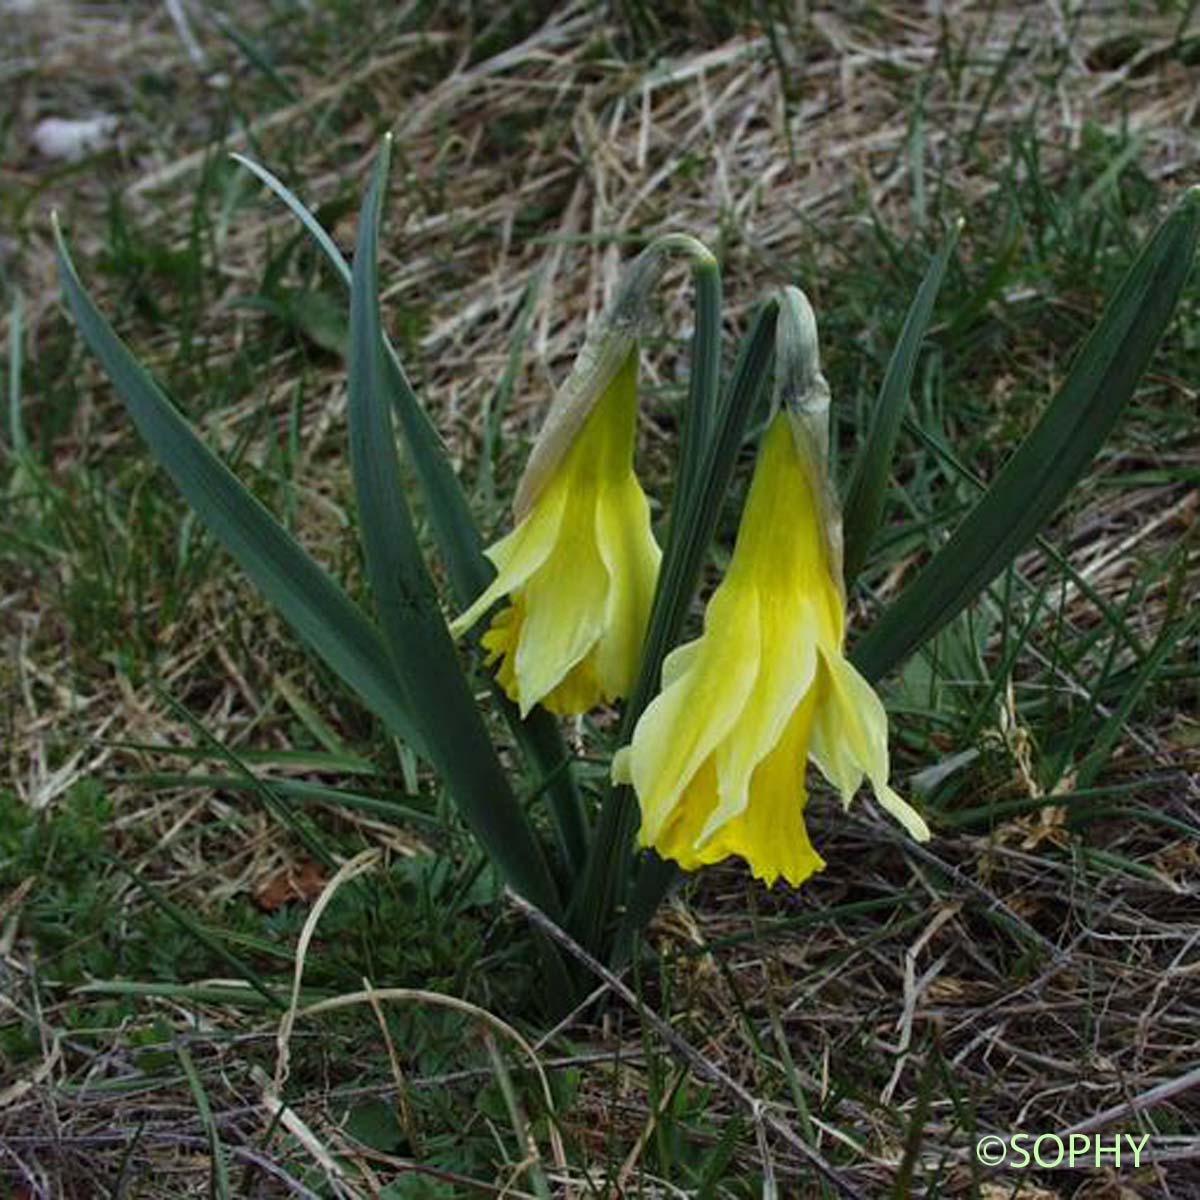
x=718, y=759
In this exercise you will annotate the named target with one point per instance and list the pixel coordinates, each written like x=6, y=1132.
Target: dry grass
x=1016, y=978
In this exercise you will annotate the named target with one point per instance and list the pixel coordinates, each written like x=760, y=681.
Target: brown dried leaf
x=297, y=882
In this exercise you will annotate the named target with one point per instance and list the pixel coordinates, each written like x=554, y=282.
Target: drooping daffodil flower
x=718, y=759
x=579, y=569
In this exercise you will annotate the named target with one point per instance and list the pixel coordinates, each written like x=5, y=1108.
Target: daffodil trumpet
x=719, y=758
x=578, y=571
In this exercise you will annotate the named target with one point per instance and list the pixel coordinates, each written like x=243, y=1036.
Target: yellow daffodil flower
x=580, y=567
x=718, y=759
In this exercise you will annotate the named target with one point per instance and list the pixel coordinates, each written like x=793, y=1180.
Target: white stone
x=59, y=137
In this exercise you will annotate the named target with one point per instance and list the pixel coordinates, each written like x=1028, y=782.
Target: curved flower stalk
x=718, y=759
x=580, y=567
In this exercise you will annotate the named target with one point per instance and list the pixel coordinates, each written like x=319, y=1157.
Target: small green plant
x=714, y=735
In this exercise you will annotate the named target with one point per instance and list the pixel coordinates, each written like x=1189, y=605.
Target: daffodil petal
x=850, y=741
x=778, y=558
x=892, y=802
x=680, y=661
x=631, y=557
x=577, y=691
x=500, y=640
x=687, y=720
x=678, y=836
x=770, y=833
x=786, y=670
x=850, y=730
x=622, y=769
x=580, y=567
x=517, y=556
x=565, y=602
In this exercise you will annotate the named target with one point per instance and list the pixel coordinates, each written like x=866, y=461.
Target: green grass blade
x=1174, y=635
x=414, y=628
x=1042, y=470
x=254, y=55
x=198, y=993
x=297, y=760
x=460, y=545
x=274, y=803
x=865, y=496
x=16, y=344
x=219, y=1186
x=316, y=230
x=302, y=791
x=997, y=811
x=336, y=753
x=315, y=607
x=185, y=922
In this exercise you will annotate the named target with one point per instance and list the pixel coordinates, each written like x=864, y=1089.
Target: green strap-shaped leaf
x=655, y=875
x=691, y=531
x=315, y=607
x=461, y=547
x=868, y=482
x=1055, y=453
x=16, y=345
x=417, y=637
x=454, y=527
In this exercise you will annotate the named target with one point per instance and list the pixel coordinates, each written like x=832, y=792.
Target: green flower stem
x=692, y=525
x=700, y=416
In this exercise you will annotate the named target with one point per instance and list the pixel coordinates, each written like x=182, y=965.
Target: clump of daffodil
x=580, y=567
x=718, y=759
